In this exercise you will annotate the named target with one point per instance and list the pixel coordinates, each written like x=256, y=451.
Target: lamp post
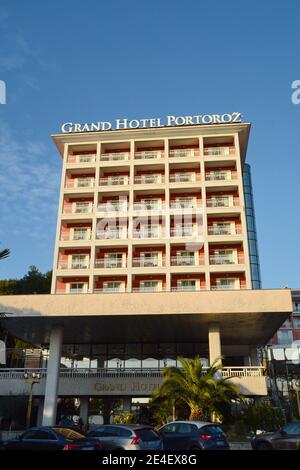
x=30, y=378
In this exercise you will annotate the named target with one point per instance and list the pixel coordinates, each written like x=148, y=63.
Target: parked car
x=51, y=438
x=287, y=437
x=193, y=435
x=127, y=437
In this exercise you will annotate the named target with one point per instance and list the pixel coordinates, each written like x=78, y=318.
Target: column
x=49, y=414
x=214, y=342
x=84, y=410
x=254, y=356
x=127, y=404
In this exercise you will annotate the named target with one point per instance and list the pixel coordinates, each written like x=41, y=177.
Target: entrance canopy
x=245, y=317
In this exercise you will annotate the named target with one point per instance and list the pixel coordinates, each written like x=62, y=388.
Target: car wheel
x=263, y=446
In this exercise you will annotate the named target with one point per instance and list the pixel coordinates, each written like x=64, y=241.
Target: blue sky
x=90, y=61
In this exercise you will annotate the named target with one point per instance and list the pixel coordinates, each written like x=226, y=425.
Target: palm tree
x=204, y=391
x=4, y=253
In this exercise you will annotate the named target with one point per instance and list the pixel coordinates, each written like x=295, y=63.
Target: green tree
x=205, y=392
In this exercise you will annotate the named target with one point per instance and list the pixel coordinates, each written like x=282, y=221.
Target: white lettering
x=106, y=126
x=77, y=128
x=170, y=120
x=223, y=118
x=198, y=118
x=121, y=123
x=67, y=127
x=134, y=124
x=296, y=94
x=85, y=128
x=237, y=117
x=180, y=120
x=207, y=119
x=95, y=126
x=216, y=118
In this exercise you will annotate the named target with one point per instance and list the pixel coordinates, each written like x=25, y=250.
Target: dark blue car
x=51, y=438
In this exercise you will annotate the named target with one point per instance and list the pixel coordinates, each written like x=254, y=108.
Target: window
x=169, y=428
x=149, y=259
x=187, y=284
x=150, y=286
x=82, y=207
x=80, y=233
x=185, y=258
x=84, y=182
x=293, y=429
x=39, y=434
x=77, y=287
x=285, y=337
x=113, y=260
x=226, y=283
x=186, y=428
x=79, y=262
x=147, y=435
x=112, y=286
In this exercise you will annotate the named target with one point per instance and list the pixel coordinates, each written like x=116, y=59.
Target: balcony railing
x=226, y=259
x=146, y=263
x=79, y=183
x=228, y=150
x=114, y=181
x=73, y=265
x=214, y=230
x=184, y=178
x=146, y=232
x=79, y=209
x=183, y=232
x=222, y=202
x=156, y=288
x=183, y=153
x=112, y=206
x=221, y=175
x=225, y=287
x=108, y=290
x=183, y=261
x=84, y=158
x=181, y=204
x=109, y=263
x=191, y=288
x=111, y=234
x=114, y=156
x=85, y=373
x=148, y=206
x=75, y=237
x=149, y=179
x=148, y=154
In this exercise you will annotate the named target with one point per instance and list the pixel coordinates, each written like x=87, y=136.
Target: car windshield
x=69, y=434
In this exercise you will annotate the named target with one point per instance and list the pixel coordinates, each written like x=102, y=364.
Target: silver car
x=127, y=437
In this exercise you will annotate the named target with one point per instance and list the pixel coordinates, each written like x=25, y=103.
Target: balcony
x=84, y=158
x=73, y=265
x=149, y=179
x=114, y=181
x=148, y=206
x=149, y=154
x=215, y=230
x=108, y=290
x=78, y=208
x=183, y=153
x=112, y=234
x=113, y=206
x=109, y=263
x=142, y=262
x=183, y=261
x=186, y=288
x=115, y=156
x=188, y=203
x=79, y=183
x=149, y=288
x=226, y=259
x=148, y=232
x=216, y=151
x=221, y=175
x=222, y=201
x=183, y=231
x=76, y=236
x=184, y=177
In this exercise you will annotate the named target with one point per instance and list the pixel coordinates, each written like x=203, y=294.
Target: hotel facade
x=155, y=257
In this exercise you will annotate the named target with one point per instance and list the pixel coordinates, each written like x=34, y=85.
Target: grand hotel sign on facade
x=168, y=121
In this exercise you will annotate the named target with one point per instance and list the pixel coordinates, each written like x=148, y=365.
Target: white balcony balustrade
x=183, y=153
x=115, y=156
x=73, y=265
x=79, y=183
x=183, y=261
x=114, y=181
x=149, y=179
x=76, y=236
x=147, y=232
x=112, y=234
x=78, y=208
x=221, y=175
x=149, y=154
x=183, y=231
x=221, y=202
x=226, y=150
x=141, y=262
x=184, y=177
x=225, y=230
x=109, y=263
x=113, y=206
x=188, y=203
x=84, y=158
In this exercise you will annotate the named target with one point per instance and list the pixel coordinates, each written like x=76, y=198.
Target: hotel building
x=155, y=257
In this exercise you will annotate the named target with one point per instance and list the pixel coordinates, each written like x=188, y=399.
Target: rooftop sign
x=168, y=121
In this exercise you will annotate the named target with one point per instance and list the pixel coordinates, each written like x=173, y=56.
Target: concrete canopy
x=246, y=317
